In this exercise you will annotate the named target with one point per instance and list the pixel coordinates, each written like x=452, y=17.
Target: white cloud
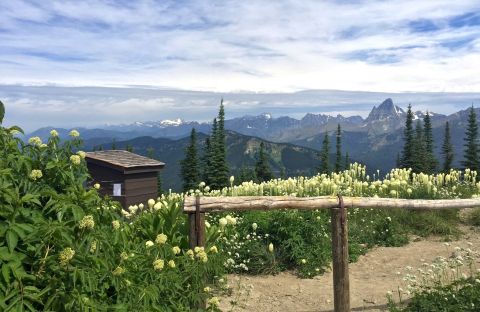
x=240, y=45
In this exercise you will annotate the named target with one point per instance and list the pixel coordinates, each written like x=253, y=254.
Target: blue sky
x=231, y=46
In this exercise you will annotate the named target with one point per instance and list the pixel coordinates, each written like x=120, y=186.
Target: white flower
x=223, y=222
x=82, y=154
x=176, y=250
x=171, y=264
x=161, y=239
x=254, y=226
x=54, y=133
x=151, y=203
x=96, y=186
x=87, y=223
x=116, y=224
x=141, y=206
x=149, y=244
x=157, y=206
x=232, y=178
x=75, y=159
x=158, y=264
x=270, y=247
x=35, y=174
x=74, y=134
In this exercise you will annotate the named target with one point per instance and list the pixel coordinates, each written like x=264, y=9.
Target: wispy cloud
x=397, y=45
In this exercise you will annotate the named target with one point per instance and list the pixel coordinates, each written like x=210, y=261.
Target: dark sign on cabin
x=126, y=177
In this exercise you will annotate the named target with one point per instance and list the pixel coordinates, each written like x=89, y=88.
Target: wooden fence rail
x=197, y=206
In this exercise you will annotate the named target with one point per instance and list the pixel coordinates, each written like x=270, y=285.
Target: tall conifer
x=324, y=166
x=338, y=159
x=431, y=163
x=447, y=149
x=408, y=136
x=471, y=142
x=220, y=151
x=419, y=159
x=189, y=166
x=262, y=167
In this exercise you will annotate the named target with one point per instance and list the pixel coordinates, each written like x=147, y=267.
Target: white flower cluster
x=35, y=174
x=87, y=222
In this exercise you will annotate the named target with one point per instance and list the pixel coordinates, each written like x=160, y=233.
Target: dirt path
x=370, y=278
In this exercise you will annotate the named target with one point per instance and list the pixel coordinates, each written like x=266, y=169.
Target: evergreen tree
x=246, y=174
x=114, y=144
x=347, y=161
x=151, y=152
x=220, y=151
x=129, y=148
x=408, y=152
x=431, y=162
x=447, y=149
x=283, y=173
x=324, y=152
x=207, y=162
x=471, y=142
x=189, y=165
x=100, y=148
x=419, y=159
x=262, y=167
x=338, y=160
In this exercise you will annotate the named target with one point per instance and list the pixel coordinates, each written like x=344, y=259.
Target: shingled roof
x=124, y=161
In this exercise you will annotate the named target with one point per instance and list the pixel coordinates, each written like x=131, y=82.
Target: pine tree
x=471, y=142
x=408, y=153
x=398, y=162
x=246, y=174
x=431, y=163
x=129, y=148
x=220, y=151
x=189, y=165
x=159, y=184
x=151, y=152
x=324, y=153
x=419, y=159
x=262, y=167
x=447, y=149
x=114, y=144
x=347, y=161
x=207, y=162
x=338, y=160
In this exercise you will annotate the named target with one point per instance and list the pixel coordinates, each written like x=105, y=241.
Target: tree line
x=418, y=150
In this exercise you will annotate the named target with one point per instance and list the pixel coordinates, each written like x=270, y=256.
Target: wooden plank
x=239, y=203
x=341, y=283
x=212, y=204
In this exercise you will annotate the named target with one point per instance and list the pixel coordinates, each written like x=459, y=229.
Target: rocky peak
x=385, y=110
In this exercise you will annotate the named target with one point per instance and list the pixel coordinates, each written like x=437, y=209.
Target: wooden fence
x=196, y=207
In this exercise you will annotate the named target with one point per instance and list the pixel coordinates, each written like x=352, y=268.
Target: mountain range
x=375, y=141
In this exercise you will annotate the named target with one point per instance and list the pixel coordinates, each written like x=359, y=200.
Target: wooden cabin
x=126, y=177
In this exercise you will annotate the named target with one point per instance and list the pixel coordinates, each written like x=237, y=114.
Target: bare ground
x=370, y=278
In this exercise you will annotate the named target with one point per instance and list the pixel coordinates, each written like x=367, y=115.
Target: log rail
x=196, y=207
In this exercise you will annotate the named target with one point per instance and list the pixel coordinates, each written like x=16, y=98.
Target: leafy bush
x=64, y=248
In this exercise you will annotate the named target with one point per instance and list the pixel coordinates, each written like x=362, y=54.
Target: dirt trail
x=370, y=278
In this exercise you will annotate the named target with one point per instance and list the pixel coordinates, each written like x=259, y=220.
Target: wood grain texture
x=242, y=203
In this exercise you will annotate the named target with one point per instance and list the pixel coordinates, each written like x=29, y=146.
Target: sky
x=230, y=47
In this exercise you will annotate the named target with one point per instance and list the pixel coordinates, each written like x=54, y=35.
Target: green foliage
x=190, y=170
x=471, y=160
x=338, y=156
x=419, y=161
x=2, y=112
x=473, y=217
x=447, y=149
x=64, y=248
x=262, y=168
x=461, y=295
x=408, y=154
x=431, y=162
x=324, y=152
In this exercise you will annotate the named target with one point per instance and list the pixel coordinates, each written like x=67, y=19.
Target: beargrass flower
x=96, y=186
x=74, y=134
x=190, y=253
x=157, y=206
x=65, y=256
x=141, y=206
x=82, y=154
x=207, y=289
x=223, y=222
x=116, y=224
x=75, y=159
x=176, y=250
x=124, y=256
x=36, y=141
x=270, y=247
x=303, y=261
x=171, y=264
x=118, y=271
x=201, y=185
x=35, y=174
x=161, y=239
x=214, y=249
x=254, y=226
x=213, y=302
x=151, y=203
x=54, y=133
x=87, y=222
x=158, y=264
x=93, y=247
x=149, y=244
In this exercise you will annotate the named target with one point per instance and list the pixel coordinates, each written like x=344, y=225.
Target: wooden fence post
x=341, y=284
x=196, y=226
